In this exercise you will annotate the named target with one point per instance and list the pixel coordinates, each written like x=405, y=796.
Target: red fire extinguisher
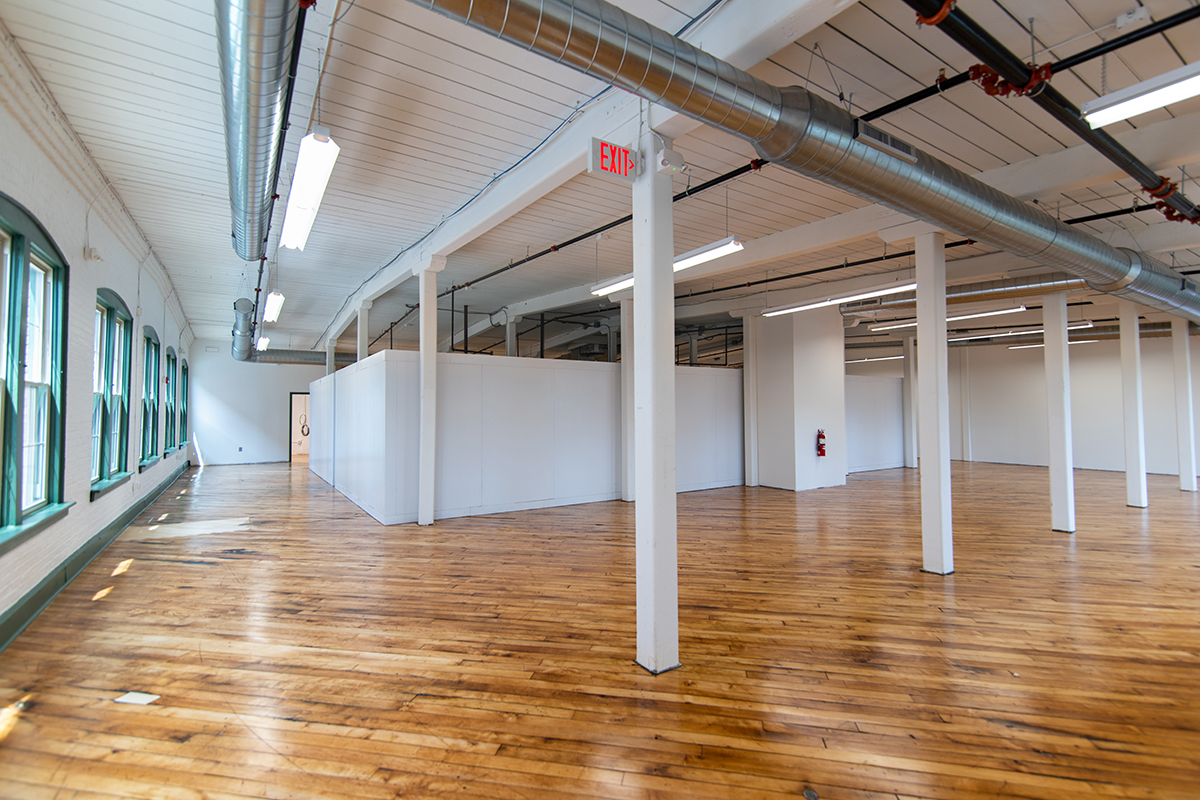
x=820, y=441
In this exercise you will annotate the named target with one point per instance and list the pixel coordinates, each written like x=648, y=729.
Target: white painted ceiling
x=428, y=112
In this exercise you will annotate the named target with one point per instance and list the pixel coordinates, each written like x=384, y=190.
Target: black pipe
x=466, y=328
x=542, y=328
x=1070, y=62
x=976, y=40
x=451, y=320
x=1136, y=36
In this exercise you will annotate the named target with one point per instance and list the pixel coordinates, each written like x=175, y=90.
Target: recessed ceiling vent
x=884, y=142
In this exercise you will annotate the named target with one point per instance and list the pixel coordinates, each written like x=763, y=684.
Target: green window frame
x=169, y=426
x=150, y=375
x=183, y=402
x=112, y=348
x=33, y=383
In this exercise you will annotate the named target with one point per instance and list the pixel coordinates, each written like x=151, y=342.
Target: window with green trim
x=169, y=435
x=149, y=394
x=183, y=402
x=112, y=342
x=32, y=386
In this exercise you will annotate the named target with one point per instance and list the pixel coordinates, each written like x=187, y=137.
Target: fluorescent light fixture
x=881, y=358
x=913, y=324
x=833, y=301
x=1170, y=87
x=313, y=166
x=263, y=342
x=615, y=285
x=728, y=245
x=274, y=304
x=1028, y=346
x=1075, y=326
x=710, y=252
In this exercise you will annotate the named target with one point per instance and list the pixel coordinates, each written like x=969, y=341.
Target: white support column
x=750, y=334
x=1184, y=414
x=654, y=396
x=510, y=338
x=937, y=530
x=628, y=461
x=364, y=317
x=909, y=401
x=1136, y=490
x=428, y=328
x=331, y=356
x=1058, y=405
x=964, y=402
x=693, y=348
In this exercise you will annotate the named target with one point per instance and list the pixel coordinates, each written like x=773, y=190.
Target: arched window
x=112, y=348
x=32, y=385
x=169, y=436
x=149, y=397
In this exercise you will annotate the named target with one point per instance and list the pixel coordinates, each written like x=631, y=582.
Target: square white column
x=1136, y=490
x=750, y=335
x=364, y=317
x=654, y=415
x=909, y=402
x=1184, y=414
x=1058, y=406
x=628, y=456
x=427, y=445
x=937, y=529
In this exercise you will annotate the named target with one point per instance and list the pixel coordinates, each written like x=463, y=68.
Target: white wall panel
x=776, y=410
x=517, y=434
x=587, y=441
x=460, y=464
x=512, y=433
x=321, y=425
x=820, y=381
x=1007, y=410
x=874, y=423
x=708, y=428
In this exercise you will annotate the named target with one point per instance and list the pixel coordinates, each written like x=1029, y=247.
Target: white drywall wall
x=874, y=423
x=241, y=404
x=511, y=434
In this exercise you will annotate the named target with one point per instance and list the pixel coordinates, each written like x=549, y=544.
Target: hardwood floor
x=303, y=651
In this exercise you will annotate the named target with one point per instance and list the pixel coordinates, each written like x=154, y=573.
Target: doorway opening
x=298, y=447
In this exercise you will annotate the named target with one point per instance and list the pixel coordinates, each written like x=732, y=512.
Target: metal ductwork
x=1004, y=289
x=803, y=132
x=243, y=329
x=255, y=44
x=300, y=357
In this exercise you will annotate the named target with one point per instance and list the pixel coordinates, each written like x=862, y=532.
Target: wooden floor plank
x=315, y=653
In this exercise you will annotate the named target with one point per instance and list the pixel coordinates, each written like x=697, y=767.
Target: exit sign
x=612, y=160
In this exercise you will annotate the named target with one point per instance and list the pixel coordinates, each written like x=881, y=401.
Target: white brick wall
x=45, y=168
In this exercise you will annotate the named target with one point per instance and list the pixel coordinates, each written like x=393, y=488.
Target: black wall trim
x=25, y=611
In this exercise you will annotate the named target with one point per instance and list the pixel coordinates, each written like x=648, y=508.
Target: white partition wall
x=511, y=433
x=321, y=424
x=874, y=423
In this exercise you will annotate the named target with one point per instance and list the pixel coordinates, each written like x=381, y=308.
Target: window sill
x=101, y=488
x=145, y=464
x=13, y=535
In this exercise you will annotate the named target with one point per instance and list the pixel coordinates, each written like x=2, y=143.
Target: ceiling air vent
x=873, y=137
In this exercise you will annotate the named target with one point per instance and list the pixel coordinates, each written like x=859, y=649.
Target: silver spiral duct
x=1004, y=289
x=814, y=137
x=254, y=45
x=243, y=329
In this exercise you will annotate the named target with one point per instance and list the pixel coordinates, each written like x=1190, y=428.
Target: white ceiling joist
x=729, y=33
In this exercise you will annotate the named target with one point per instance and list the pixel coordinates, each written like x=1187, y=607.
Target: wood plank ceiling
x=428, y=112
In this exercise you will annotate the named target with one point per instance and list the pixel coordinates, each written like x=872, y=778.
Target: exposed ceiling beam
x=729, y=33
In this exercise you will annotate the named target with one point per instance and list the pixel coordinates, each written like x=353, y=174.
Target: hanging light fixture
x=833, y=301
x=701, y=255
x=274, y=304
x=1170, y=87
x=314, y=164
x=891, y=326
